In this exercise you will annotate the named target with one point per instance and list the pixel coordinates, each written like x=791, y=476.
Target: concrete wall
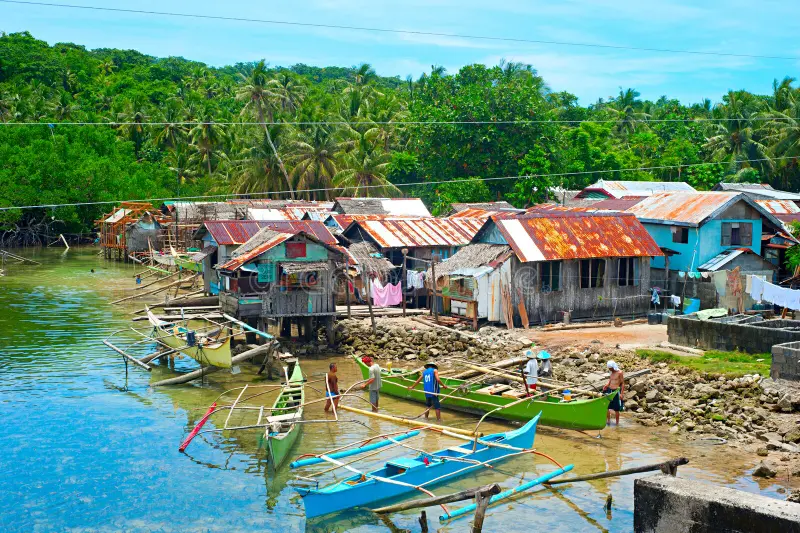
x=786, y=361
x=726, y=335
x=666, y=504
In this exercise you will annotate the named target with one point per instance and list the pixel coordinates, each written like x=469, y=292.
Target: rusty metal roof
x=267, y=239
x=476, y=212
x=419, y=232
x=779, y=207
x=618, y=189
x=550, y=236
x=689, y=208
x=609, y=204
x=233, y=232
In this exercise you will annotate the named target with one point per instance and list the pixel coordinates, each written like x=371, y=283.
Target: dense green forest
x=350, y=130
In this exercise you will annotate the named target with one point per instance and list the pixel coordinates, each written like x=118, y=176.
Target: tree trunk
x=275, y=151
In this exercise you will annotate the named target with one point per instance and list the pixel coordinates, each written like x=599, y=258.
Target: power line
x=440, y=182
x=393, y=31
x=392, y=122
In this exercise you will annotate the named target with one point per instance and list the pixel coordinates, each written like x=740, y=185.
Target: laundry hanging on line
x=386, y=296
x=768, y=292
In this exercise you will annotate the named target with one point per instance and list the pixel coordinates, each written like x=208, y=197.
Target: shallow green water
x=84, y=449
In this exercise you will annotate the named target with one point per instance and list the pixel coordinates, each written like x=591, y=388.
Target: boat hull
x=341, y=496
x=188, y=264
x=218, y=355
x=578, y=414
x=280, y=445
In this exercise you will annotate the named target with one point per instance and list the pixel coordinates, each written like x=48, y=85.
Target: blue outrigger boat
x=403, y=476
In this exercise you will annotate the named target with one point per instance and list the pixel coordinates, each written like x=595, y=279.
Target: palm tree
x=289, y=92
x=134, y=116
x=783, y=95
x=260, y=96
x=626, y=110
x=107, y=67
x=208, y=140
x=363, y=74
x=315, y=159
x=734, y=140
x=171, y=131
x=365, y=171
x=64, y=106
x=257, y=167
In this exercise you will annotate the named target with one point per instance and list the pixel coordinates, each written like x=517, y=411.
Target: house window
x=295, y=250
x=680, y=235
x=628, y=271
x=737, y=234
x=550, y=276
x=592, y=273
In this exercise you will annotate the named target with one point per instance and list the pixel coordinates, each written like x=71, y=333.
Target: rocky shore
x=751, y=413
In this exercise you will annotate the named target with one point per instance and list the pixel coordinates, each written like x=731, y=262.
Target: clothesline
x=769, y=292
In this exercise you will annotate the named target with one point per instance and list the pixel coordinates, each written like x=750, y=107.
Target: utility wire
x=390, y=122
x=440, y=182
x=392, y=31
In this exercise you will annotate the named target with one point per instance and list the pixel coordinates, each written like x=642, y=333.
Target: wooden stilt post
x=481, y=504
x=403, y=279
x=434, y=305
x=369, y=302
x=347, y=285
x=423, y=522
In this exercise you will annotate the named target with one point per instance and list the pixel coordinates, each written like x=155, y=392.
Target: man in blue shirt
x=430, y=384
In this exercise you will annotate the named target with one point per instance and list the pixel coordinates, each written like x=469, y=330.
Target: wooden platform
x=361, y=311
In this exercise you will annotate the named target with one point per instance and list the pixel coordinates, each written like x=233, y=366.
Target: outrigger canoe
x=205, y=342
x=402, y=476
x=282, y=430
x=583, y=414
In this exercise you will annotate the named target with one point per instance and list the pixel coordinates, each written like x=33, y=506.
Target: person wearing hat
x=531, y=370
x=616, y=384
x=547, y=369
x=430, y=384
x=374, y=382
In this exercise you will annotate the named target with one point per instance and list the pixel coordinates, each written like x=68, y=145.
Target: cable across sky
x=422, y=183
x=397, y=31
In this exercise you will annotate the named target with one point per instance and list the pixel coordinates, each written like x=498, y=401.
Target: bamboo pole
x=147, y=293
x=128, y=357
x=409, y=422
x=499, y=365
x=140, y=287
x=668, y=467
x=467, y=494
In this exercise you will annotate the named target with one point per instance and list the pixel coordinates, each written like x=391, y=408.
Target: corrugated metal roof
x=475, y=212
x=382, y=206
x=420, y=232
x=690, y=208
x=484, y=206
x=118, y=215
x=268, y=240
x=233, y=232
x=723, y=260
x=267, y=214
x=779, y=207
x=345, y=220
x=618, y=189
x=552, y=236
x=609, y=204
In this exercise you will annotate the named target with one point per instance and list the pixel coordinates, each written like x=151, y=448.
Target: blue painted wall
x=491, y=235
x=704, y=243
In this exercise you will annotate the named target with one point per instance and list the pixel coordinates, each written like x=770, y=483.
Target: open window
x=550, y=276
x=628, y=271
x=592, y=273
x=680, y=235
x=737, y=234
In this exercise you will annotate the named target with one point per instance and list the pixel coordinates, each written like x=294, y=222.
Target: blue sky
x=733, y=26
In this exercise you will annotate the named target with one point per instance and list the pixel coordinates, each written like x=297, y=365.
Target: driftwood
x=668, y=467
x=467, y=494
x=185, y=378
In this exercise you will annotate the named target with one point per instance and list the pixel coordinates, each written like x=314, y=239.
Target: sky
x=767, y=28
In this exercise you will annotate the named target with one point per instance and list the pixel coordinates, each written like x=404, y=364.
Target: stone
x=689, y=425
x=764, y=470
x=410, y=357
x=631, y=405
x=794, y=496
x=701, y=389
x=652, y=396
x=762, y=452
x=673, y=429
x=793, y=436
x=785, y=403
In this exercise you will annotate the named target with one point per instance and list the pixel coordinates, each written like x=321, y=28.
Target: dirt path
x=633, y=336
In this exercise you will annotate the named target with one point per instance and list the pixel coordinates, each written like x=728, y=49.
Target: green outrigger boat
x=576, y=414
x=282, y=430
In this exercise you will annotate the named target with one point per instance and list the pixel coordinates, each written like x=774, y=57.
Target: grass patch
x=733, y=364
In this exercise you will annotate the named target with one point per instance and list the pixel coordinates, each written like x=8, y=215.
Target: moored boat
x=282, y=428
x=582, y=414
x=404, y=476
x=202, y=340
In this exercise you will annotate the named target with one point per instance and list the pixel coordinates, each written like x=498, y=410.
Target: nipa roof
x=264, y=240
x=233, y=232
x=369, y=259
x=472, y=259
x=382, y=206
x=557, y=236
x=418, y=233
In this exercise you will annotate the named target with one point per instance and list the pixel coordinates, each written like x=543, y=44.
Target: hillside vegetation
x=350, y=130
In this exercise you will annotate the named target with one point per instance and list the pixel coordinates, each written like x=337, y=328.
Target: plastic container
x=567, y=395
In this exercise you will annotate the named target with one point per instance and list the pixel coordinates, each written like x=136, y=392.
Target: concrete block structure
x=786, y=361
x=666, y=504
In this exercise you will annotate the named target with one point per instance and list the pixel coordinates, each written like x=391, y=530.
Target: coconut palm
x=315, y=156
x=64, y=106
x=734, y=139
x=626, y=108
x=364, y=172
x=171, y=131
x=260, y=96
x=133, y=117
x=208, y=141
x=257, y=167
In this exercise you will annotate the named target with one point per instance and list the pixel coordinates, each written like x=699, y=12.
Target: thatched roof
x=365, y=253
x=262, y=236
x=469, y=259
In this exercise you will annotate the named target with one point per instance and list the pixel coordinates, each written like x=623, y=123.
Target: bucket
x=567, y=395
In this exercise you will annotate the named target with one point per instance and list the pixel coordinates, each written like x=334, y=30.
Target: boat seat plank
x=494, y=389
x=283, y=418
x=516, y=394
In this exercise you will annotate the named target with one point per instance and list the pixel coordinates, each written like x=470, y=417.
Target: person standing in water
x=616, y=383
x=374, y=383
x=431, y=385
x=332, y=394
